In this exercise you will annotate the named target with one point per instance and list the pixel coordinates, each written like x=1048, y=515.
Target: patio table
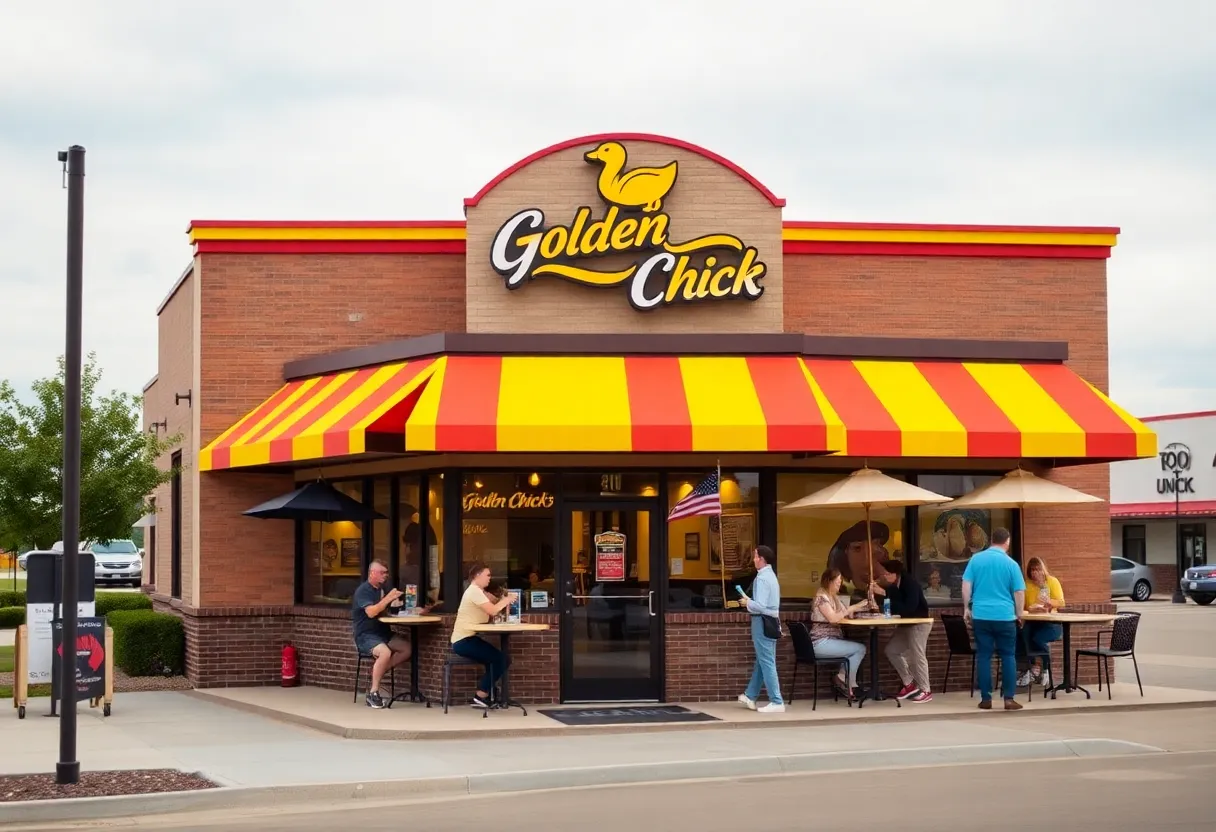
x=504, y=632
x=873, y=625
x=413, y=622
x=1066, y=620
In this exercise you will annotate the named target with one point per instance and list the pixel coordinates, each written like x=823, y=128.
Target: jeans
x=483, y=653
x=765, y=669
x=839, y=648
x=1040, y=635
x=1000, y=637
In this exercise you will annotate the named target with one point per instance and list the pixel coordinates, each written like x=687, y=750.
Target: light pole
x=67, y=770
x=1178, y=597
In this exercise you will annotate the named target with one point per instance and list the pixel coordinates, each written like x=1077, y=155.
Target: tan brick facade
x=230, y=327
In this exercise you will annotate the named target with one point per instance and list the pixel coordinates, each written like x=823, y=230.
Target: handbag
x=772, y=626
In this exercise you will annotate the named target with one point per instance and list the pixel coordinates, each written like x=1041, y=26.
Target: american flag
x=701, y=501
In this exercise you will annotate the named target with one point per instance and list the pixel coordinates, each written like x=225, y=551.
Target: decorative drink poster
x=90, y=681
x=610, y=556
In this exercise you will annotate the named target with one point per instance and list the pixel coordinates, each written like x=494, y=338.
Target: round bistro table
x=413, y=622
x=505, y=631
x=1066, y=620
x=874, y=625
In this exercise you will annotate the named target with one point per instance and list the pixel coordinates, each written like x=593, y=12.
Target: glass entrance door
x=611, y=603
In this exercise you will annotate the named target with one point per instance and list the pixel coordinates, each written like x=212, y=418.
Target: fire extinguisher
x=290, y=671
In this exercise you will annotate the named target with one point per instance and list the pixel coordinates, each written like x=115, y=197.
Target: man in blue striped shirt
x=767, y=601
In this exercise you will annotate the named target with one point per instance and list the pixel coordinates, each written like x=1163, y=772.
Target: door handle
x=650, y=602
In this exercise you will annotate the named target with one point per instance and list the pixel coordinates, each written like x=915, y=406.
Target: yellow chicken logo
x=639, y=188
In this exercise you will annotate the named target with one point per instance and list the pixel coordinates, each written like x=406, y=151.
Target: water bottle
x=886, y=607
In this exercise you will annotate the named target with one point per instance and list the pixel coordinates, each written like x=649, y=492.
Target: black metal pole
x=67, y=770
x=1178, y=597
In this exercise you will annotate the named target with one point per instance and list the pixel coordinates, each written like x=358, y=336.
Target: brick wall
x=1165, y=578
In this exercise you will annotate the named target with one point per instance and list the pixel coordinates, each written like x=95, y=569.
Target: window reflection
x=704, y=553
x=949, y=537
x=333, y=556
x=509, y=523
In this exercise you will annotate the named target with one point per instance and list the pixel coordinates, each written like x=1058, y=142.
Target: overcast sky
x=1088, y=113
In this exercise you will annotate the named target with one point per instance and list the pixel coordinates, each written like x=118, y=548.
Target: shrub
x=108, y=602
x=148, y=643
x=12, y=597
x=11, y=617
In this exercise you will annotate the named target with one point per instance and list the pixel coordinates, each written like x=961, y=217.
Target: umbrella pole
x=869, y=549
x=721, y=547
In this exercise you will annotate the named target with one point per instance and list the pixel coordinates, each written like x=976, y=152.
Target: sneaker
x=374, y=700
x=1045, y=679
x=921, y=696
x=1013, y=705
x=750, y=704
x=1025, y=679
x=985, y=704
x=772, y=708
x=480, y=702
x=907, y=691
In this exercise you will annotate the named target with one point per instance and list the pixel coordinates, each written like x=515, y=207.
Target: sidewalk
x=241, y=749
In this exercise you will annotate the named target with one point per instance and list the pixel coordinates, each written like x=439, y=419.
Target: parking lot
x=1176, y=645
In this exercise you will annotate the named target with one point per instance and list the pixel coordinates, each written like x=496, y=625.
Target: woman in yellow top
x=477, y=608
x=1043, y=594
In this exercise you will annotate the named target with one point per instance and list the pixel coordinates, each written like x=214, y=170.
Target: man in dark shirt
x=906, y=649
x=369, y=602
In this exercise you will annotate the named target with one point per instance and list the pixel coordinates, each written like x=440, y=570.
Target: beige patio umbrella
x=865, y=489
x=1019, y=489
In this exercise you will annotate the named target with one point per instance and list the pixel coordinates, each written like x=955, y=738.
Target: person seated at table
x=1043, y=594
x=827, y=612
x=371, y=600
x=477, y=608
x=907, y=648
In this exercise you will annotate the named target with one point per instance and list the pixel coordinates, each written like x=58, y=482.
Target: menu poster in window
x=610, y=556
x=515, y=609
x=738, y=539
x=351, y=552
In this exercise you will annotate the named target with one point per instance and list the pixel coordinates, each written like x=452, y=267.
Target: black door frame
x=655, y=689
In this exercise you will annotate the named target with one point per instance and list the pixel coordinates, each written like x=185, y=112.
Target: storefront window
x=949, y=537
x=381, y=534
x=509, y=523
x=333, y=556
x=611, y=484
x=809, y=543
x=703, y=552
x=420, y=553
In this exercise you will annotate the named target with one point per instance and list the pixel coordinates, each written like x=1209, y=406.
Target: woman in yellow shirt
x=1043, y=594
x=475, y=608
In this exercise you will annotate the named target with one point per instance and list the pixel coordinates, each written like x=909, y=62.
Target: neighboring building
x=536, y=385
x=1153, y=501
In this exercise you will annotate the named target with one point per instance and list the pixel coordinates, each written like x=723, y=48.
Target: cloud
x=943, y=112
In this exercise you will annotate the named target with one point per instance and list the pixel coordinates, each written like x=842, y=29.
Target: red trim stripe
x=325, y=224
x=658, y=408
x=869, y=428
x=468, y=404
x=914, y=226
x=625, y=137
x=990, y=433
x=329, y=246
x=1106, y=434
x=795, y=422
x=281, y=445
x=1165, y=417
x=945, y=250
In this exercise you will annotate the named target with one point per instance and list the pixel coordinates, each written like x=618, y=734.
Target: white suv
x=116, y=562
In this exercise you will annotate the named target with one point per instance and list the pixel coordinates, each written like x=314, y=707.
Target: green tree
x=117, y=462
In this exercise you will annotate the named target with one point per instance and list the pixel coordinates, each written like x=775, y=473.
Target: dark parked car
x=1199, y=584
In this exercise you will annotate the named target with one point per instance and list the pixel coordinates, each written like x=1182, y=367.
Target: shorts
x=367, y=642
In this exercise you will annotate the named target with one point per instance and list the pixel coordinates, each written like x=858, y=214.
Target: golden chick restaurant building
x=615, y=317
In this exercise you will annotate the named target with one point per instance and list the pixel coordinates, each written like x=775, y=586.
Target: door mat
x=627, y=716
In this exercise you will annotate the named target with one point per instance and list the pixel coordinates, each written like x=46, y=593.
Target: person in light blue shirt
x=993, y=599
x=766, y=602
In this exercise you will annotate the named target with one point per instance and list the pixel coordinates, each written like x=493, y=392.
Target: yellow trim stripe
x=735, y=422
x=420, y=427
x=927, y=426
x=585, y=404
x=320, y=233
x=1023, y=238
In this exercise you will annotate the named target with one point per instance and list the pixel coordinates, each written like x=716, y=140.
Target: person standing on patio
x=764, y=608
x=907, y=648
x=373, y=638
x=994, y=595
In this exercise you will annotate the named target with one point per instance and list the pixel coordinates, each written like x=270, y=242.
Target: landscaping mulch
x=21, y=787
x=126, y=684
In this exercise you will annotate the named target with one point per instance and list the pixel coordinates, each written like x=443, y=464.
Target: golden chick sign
x=634, y=227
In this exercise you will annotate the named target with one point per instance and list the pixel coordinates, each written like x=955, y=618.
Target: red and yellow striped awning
x=699, y=404
x=319, y=417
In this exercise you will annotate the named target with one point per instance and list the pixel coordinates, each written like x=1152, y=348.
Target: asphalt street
x=1175, y=647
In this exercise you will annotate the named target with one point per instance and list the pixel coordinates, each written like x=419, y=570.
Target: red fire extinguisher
x=290, y=673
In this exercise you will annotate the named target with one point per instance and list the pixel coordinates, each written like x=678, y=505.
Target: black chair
x=958, y=638
x=804, y=653
x=1122, y=645
x=370, y=659
x=453, y=660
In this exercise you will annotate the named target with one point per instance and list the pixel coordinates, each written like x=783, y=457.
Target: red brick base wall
x=709, y=656
x=1165, y=578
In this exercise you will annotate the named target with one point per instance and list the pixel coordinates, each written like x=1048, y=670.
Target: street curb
x=851, y=717
x=98, y=808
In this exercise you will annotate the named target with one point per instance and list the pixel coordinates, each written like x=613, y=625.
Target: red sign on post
x=610, y=556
